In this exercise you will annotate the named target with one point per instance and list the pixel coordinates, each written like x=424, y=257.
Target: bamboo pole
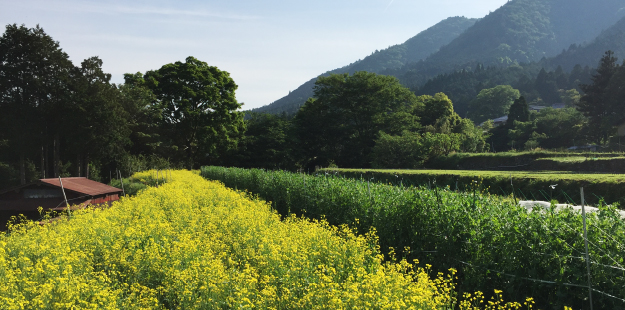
x=119, y=174
x=64, y=196
x=581, y=189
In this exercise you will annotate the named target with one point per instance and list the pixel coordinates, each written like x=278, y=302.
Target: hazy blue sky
x=269, y=47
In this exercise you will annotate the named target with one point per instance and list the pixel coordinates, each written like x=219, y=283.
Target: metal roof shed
x=46, y=193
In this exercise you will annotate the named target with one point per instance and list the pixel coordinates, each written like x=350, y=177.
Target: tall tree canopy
x=492, y=103
x=595, y=103
x=34, y=92
x=100, y=127
x=199, y=109
x=341, y=123
x=519, y=111
x=58, y=119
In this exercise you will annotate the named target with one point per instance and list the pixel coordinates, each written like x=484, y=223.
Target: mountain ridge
x=520, y=31
x=415, y=48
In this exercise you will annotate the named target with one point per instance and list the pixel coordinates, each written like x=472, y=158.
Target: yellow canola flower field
x=194, y=244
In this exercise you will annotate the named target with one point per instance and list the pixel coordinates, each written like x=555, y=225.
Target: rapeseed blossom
x=194, y=244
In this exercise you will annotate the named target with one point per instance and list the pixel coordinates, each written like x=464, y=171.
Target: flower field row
x=491, y=241
x=194, y=244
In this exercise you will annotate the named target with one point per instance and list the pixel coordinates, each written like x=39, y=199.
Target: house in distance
x=47, y=193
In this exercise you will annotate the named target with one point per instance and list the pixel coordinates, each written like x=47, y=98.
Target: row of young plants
x=195, y=244
x=491, y=241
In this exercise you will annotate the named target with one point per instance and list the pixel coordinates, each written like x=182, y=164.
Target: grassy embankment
x=494, y=243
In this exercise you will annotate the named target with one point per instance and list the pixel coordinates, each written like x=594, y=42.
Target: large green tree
x=144, y=115
x=519, y=111
x=595, y=103
x=268, y=143
x=100, y=124
x=341, y=123
x=615, y=97
x=199, y=109
x=34, y=93
x=492, y=103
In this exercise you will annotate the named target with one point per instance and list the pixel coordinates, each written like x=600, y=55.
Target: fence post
x=121, y=180
x=512, y=185
x=65, y=197
x=581, y=190
x=474, y=186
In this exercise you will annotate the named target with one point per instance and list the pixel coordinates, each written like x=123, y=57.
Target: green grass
x=542, y=160
x=527, y=185
x=578, y=159
x=538, y=154
x=538, y=175
x=494, y=243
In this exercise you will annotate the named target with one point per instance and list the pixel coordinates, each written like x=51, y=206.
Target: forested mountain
x=566, y=71
x=414, y=49
x=521, y=31
x=612, y=38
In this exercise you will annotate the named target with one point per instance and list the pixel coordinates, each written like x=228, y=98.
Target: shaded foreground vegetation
x=494, y=243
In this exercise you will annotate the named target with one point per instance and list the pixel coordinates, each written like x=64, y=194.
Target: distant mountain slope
x=519, y=31
x=612, y=38
x=463, y=85
x=414, y=49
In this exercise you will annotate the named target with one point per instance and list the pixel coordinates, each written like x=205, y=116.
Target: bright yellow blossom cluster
x=194, y=244
x=478, y=301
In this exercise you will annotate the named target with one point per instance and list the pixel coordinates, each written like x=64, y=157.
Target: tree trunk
x=22, y=170
x=46, y=160
x=86, y=163
x=43, y=162
x=78, y=166
x=57, y=155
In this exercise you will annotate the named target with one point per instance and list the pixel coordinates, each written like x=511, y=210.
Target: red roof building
x=47, y=193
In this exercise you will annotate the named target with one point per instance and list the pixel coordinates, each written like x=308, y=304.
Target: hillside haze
x=393, y=58
x=612, y=38
x=520, y=31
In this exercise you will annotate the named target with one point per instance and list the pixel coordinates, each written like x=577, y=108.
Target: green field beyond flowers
x=490, y=240
x=527, y=185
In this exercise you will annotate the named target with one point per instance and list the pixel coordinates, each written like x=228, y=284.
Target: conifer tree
x=519, y=111
x=594, y=103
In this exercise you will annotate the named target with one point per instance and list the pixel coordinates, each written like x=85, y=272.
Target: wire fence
x=555, y=195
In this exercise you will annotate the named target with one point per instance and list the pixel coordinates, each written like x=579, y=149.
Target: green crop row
x=526, y=185
x=494, y=243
